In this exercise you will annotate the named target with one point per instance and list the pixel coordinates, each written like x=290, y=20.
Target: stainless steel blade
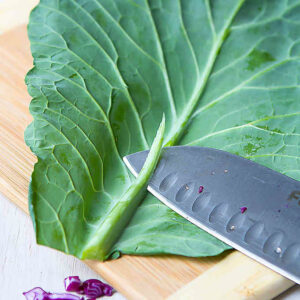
x=268, y=231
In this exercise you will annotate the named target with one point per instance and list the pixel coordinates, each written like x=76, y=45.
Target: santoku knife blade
x=246, y=205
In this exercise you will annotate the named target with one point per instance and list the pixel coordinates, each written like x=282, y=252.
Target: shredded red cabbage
x=73, y=284
x=63, y=296
x=201, y=188
x=35, y=294
x=92, y=288
x=243, y=209
x=39, y=294
x=95, y=288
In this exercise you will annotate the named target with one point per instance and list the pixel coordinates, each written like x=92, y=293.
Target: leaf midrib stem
x=178, y=129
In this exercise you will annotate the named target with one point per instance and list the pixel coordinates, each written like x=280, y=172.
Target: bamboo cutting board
x=155, y=276
x=135, y=277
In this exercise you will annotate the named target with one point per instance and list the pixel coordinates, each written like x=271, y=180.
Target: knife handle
x=236, y=277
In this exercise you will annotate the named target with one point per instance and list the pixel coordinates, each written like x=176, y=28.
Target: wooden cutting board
x=135, y=277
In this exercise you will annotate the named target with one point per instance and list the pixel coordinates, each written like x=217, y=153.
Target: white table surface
x=24, y=265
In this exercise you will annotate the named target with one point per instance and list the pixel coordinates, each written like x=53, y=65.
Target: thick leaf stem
x=110, y=229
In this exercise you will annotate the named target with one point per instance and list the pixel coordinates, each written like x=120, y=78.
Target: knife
x=248, y=206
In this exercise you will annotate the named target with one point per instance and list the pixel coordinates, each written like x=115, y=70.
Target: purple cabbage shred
x=243, y=209
x=95, y=288
x=73, y=284
x=39, y=294
x=35, y=294
x=201, y=188
x=92, y=289
x=63, y=296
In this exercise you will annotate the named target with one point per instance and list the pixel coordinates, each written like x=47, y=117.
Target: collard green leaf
x=224, y=73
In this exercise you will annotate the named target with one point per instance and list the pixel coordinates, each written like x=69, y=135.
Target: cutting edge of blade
x=129, y=166
x=213, y=232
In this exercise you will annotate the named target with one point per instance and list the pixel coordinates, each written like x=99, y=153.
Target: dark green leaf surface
x=225, y=73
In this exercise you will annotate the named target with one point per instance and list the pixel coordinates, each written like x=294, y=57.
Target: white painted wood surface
x=24, y=265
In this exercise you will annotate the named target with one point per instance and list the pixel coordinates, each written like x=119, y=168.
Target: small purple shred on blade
x=243, y=209
x=201, y=188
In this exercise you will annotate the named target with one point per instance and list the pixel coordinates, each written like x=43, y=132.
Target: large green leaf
x=225, y=73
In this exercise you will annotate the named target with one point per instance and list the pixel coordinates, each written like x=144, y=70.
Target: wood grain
x=135, y=277
x=245, y=279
